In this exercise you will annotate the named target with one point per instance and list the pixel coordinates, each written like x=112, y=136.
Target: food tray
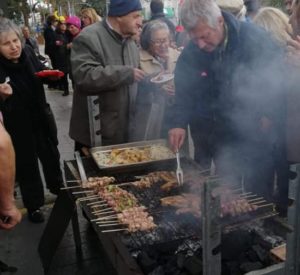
x=136, y=154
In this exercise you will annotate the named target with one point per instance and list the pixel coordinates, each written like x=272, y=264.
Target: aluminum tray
x=97, y=151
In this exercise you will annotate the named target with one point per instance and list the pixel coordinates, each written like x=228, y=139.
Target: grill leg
x=76, y=233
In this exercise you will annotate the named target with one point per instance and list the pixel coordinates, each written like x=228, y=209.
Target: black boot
x=65, y=93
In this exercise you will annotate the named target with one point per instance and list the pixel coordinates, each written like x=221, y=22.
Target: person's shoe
x=36, y=216
x=65, y=93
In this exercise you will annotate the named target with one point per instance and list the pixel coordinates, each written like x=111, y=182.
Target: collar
x=112, y=32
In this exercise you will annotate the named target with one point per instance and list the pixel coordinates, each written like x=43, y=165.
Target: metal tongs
x=179, y=172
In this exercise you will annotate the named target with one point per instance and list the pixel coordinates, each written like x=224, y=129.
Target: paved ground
x=19, y=247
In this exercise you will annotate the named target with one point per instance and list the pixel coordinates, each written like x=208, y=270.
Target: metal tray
x=105, y=150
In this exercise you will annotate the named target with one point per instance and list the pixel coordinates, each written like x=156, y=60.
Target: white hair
x=194, y=10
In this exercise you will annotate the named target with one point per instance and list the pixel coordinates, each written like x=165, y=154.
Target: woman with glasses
x=154, y=100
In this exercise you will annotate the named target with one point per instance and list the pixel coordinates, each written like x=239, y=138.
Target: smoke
x=252, y=112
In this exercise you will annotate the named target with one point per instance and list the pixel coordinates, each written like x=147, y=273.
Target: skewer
x=114, y=230
x=73, y=180
x=83, y=192
x=247, y=195
x=109, y=224
x=70, y=187
x=89, y=198
x=265, y=205
x=104, y=218
x=126, y=183
x=105, y=211
x=257, y=203
x=93, y=203
x=99, y=205
x=109, y=221
x=256, y=199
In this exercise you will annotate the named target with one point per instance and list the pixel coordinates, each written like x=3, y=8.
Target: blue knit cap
x=123, y=7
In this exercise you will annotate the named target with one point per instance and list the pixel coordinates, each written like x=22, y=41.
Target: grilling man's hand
x=138, y=75
x=176, y=138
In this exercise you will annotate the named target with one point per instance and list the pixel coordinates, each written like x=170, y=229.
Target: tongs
x=179, y=172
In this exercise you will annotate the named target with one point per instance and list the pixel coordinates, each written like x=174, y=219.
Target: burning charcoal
x=193, y=265
x=248, y=266
x=262, y=254
x=146, y=263
x=234, y=244
x=157, y=271
x=180, y=260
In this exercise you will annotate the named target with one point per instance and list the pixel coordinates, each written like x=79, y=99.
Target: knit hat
x=74, y=20
x=123, y=7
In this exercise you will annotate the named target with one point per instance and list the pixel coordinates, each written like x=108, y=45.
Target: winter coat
x=61, y=52
x=49, y=36
x=102, y=64
x=25, y=111
x=233, y=87
x=152, y=97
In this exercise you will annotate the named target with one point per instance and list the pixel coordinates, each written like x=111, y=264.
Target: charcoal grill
x=171, y=227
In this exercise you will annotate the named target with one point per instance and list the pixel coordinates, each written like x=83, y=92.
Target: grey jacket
x=102, y=64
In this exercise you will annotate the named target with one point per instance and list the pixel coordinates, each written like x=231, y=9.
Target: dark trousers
x=28, y=173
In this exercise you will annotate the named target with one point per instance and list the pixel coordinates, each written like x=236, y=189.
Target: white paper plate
x=162, y=78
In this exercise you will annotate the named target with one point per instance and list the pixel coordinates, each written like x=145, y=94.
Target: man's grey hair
x=149, y=29
x=194, y=10
x=7, y=25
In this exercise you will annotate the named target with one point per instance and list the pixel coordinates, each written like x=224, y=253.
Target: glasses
x=160, y=42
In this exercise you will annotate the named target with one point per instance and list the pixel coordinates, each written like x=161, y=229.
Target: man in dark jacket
x=228, y=85
x=157, y=13
x=49, y=36
x=105, y=61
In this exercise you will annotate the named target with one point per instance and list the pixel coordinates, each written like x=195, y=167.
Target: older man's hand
x=138, y=75
x=176, y=138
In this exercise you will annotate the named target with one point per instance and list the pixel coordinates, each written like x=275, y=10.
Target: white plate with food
x=162, y=78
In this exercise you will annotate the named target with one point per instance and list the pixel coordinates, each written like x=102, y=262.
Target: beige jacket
x=152, y=101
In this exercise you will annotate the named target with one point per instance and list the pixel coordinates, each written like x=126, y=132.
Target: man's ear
x=221, y=20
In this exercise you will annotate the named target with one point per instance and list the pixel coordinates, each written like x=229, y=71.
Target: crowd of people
x=235, y=88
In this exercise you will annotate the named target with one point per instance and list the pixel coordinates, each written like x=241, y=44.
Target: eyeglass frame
x=160, y=42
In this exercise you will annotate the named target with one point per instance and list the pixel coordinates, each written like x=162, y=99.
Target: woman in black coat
x=28, y=119
x=62, y=55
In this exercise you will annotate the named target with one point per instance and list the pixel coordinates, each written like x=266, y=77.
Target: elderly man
x=228, y=85
x=105, y=62
x=9, y=214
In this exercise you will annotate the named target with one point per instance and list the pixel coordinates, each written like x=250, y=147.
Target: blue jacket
x=234, y=87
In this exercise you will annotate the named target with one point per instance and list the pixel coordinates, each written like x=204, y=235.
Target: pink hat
x=74, y=20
